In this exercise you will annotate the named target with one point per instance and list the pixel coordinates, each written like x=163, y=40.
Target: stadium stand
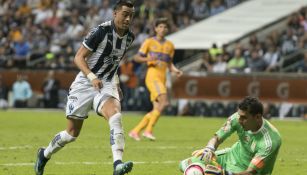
x=45, y=35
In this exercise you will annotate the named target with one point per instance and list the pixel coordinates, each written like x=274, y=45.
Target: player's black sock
x=116, y=163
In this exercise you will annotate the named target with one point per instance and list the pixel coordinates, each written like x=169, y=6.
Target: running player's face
x=246, y=120
x=123, y=17
x=161, y=30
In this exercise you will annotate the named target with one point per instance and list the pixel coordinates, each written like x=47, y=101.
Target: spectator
x=74, y=30
x=22, y=92
x=214, y=50
x=199, y=10
x=231, y=3
x=220, y=66
x=216, y=7
x=205, y=65
x=106, y=12
x=3, y=94
x=289, y=42
x=92, y=19
x=51, y=88
x=22, y=52
x=237, y=63
x=271, y=58
x=255, y=63
x=53, y=21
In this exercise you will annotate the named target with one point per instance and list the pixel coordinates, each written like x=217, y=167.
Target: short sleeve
x=265, y=156
x=94, y=38
x=144, y=48
x=228, y=128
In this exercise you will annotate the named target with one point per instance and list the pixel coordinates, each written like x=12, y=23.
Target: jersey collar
x=114, y=28
x=260, y=129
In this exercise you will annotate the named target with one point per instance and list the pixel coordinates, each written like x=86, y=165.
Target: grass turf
x=23, y=132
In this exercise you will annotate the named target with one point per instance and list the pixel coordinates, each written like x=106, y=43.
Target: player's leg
x=134, y=133
x=64, y=137
x=111, y=110
x=159, y=105
x=78, y=105
x=58, y=142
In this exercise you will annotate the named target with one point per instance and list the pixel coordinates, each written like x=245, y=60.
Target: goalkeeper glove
x=205, y=154
x=216, y=170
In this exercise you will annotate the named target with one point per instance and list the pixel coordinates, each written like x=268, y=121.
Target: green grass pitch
x=22, y=132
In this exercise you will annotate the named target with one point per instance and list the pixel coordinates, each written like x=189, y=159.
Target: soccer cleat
x=149, y=136
x=40, y=162
x=123, y=168
x=134, y=135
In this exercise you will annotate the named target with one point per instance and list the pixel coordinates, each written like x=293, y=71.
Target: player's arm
x=79, y=60
x=223, y=133
x=171, y=65
x=207, y=153
x=174, y=69
x=141, y=58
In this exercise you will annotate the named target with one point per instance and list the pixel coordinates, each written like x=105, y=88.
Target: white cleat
x=149, y=136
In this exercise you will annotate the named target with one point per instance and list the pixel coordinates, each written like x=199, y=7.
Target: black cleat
x=40, y=162
x=123, y=168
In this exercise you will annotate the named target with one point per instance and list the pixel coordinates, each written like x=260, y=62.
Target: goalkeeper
x=254, y=153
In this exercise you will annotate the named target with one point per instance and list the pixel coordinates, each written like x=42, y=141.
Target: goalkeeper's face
x=123, y=17
x=247, y=121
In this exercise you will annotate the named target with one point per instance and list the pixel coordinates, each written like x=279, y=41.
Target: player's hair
x=119, y=4
x=162, y=21
x=251, y=105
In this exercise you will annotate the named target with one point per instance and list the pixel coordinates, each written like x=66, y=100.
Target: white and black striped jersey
x=108, y=49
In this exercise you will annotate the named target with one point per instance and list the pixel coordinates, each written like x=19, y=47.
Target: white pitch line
x=90, y=163
x=16, y=147
x=100, y=147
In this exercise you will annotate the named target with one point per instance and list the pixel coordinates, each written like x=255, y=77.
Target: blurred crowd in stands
x=47, y=33
x=266, y=55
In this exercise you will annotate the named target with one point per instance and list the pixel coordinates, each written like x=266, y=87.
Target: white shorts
x=83, y=97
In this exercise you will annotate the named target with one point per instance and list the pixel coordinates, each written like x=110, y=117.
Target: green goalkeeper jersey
x=257, y=150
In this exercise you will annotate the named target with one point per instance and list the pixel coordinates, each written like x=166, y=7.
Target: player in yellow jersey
x=158, y=53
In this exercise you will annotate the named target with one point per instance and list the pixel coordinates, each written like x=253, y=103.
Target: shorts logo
x=73, y=98
x=71, y=107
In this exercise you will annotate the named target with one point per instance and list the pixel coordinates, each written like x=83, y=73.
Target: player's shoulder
x=234, y=117
x=149, y=39
x=270, y=136
x=170, y=43
x=103, y=27
x=105, y=24
x=271, y=129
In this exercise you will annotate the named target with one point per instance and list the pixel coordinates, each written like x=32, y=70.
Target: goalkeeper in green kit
x=255, y=152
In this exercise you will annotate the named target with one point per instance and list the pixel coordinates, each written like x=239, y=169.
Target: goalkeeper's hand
x=205, y=154
x=216, y=170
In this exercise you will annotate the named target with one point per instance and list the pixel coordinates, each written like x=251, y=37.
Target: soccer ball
x=194, y=169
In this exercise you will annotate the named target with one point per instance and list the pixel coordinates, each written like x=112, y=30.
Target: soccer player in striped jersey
x=96, y=86
x=257, y=148
x=157, y=53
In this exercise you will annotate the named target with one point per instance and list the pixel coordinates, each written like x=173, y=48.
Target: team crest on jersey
x=246, y=138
